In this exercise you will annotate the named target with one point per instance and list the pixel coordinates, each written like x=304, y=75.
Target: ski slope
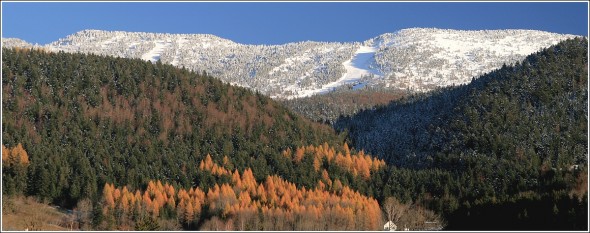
x=154, y=54
x=357, y=67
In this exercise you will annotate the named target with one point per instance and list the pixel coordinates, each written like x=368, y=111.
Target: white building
x=389, y=226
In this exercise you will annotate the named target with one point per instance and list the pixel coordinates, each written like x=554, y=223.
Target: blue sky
x=278, y=23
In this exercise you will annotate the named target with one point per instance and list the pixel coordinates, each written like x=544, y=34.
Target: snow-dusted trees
x=275, y=70
x=419, y=59
x=426, y=58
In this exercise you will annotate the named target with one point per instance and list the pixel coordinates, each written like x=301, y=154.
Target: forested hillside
x=327, y=108
x=513, y=138
x=73, y=123
x=134, y=145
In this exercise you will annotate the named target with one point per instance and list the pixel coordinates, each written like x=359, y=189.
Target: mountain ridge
x=415, y=59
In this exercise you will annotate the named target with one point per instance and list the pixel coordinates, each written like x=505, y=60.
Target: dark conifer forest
x=511, y=145
x=133, y=145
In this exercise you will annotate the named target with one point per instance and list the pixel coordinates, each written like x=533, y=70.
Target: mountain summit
x=415, y=59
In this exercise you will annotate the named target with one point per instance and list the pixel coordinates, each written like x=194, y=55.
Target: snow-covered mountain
x=14, y=42
x=417, y=59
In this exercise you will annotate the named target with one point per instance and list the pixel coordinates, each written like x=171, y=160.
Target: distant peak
x=106, y=33
x=15, y=42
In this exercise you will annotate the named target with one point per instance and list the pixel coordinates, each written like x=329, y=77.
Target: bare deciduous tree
x=394, y=209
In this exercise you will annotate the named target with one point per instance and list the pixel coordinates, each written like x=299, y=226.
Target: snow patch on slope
x=180, y=43
x=361, y=64
x=154, y=54
x=357, y=67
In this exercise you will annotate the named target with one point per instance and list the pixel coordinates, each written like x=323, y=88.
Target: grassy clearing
x=25, y=213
